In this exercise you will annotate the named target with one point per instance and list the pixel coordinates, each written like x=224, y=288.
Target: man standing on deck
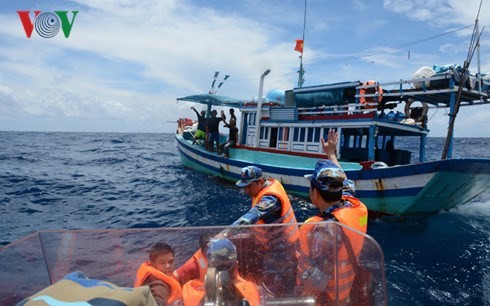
x=202, y=125
x=213, y=129
x=333, y=194
x=271, y=205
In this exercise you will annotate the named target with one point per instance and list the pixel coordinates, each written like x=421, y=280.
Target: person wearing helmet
x=333, y=194
x=271, y=205
x=231, y=288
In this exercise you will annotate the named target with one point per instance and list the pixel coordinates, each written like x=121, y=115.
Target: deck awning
x=210, y=99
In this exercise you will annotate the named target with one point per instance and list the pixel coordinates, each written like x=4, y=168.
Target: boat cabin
x=363, y=113
x=367, y=133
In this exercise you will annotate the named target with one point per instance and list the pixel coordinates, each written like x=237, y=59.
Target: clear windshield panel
x=319, y=267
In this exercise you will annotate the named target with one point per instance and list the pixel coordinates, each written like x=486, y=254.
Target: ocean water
x=112, y=180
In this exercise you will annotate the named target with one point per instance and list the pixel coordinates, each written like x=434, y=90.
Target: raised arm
x=330, y=146
x=197, y=113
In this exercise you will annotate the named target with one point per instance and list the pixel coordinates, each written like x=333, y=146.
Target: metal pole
x=259, y=107
x=301, y=71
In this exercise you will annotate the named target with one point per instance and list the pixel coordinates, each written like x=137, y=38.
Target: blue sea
x=115, y=180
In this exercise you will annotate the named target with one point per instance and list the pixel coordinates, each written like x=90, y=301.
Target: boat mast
x=463, y=76
x=478, y=78
x=259, y=107
x=301, y=71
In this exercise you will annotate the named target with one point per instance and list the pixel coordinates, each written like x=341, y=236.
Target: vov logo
x=47, y=24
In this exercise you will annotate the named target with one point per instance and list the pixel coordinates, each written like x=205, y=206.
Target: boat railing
x=344, y=109
x=444, y=84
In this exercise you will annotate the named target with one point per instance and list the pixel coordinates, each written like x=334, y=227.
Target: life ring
x=408, y=111
x=377, y=89
x=378, y=165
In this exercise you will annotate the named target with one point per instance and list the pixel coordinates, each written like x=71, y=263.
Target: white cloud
x=127, y=61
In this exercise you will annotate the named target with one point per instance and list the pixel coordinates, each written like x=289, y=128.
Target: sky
x=125, y=63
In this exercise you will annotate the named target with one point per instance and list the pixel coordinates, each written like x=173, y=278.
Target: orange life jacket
x=281, y=233
x=354, y=216
x=193, y=292
x=146, y=270
x=202, y=263
x=199, y=260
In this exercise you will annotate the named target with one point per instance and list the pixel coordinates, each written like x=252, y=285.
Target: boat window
x=314, y=134
x=283, y=134
x=351, y=141
x=358, y=141
x=364, y=141
x=302, y=134
x=263, y=132
x=316, y=138
x=251, y=119
x=310, y=134
x=295, y=134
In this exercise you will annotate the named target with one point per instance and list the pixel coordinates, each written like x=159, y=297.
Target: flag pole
x=301, y=71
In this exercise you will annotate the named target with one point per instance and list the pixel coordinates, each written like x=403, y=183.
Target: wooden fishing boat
x=281, y=134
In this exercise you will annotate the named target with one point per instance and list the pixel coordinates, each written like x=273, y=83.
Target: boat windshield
x=41, y=259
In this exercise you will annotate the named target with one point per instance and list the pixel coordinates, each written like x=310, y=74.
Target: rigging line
x=474, y=34
x=472, y=41
x=477, y=41
x=352, y=57
x=387, y=49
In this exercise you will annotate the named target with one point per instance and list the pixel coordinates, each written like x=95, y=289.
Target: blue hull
x=422, y=188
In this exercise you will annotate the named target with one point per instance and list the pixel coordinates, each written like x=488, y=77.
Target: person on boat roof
x=231, y=289
x=333, y=194
x=213, y=129
x=202, y=124
x=271, y=205
x=157, y=274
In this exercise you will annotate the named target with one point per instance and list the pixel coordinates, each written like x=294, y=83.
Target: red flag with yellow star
x=299, y=45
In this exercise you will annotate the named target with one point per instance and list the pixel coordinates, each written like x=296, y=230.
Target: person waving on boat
x=333, y=194
x=202, y=125
x=271, y=205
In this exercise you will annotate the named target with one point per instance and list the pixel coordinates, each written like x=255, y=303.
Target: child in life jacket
x=157, y=273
